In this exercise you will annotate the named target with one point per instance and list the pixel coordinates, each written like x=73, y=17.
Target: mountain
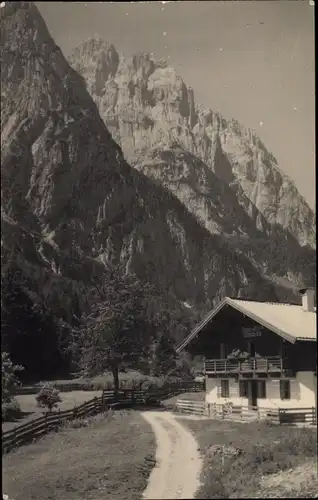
x=72, y=207
x=219, y=170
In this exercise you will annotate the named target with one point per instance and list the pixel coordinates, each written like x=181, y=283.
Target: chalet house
x=259, y=354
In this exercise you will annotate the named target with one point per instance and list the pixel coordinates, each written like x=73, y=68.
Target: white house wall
x=303, y=390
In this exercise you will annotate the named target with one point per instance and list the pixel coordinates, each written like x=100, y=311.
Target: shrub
x=9, y=380
x=10, y=410
x=48, y=397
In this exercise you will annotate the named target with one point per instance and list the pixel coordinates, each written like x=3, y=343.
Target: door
x=252, y=393
x=251, y=349
x=223, y=351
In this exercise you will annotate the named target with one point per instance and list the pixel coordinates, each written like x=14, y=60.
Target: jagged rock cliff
x=72, y=206
x=149, y=109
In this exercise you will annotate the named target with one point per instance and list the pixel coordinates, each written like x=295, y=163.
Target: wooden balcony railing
x=273, y=364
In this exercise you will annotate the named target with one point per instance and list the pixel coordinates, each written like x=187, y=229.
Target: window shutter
x=281, y=389
x=218, y=387
x=224, y=388
x=243, y=389
x=227, y=389
x=284, y=386
x=287, y=389
x=262, y=389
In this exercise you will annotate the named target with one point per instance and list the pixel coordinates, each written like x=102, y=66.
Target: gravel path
x=178, y=463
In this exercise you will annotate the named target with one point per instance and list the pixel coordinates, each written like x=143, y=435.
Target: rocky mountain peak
x=101, y=61
x=150, y=106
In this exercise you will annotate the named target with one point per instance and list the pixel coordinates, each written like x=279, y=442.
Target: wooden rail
x=298, y=415
x=272, y=364
x=126, y=398
x=245, y=413
x=186, y=386
x=196, y=407
x=52, y=420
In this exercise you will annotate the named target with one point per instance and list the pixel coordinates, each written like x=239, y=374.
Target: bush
x=9, y=380
x=10, y=410
x=48, y=397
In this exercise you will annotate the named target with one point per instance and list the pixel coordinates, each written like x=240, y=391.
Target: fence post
x=222, y=412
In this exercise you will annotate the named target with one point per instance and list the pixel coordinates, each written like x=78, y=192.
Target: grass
x=266, y=451
x=110, y=458
x=29, y=410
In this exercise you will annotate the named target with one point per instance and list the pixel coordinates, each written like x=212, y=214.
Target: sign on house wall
x=254, y=331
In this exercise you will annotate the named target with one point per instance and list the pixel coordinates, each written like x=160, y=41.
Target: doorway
x=252, y=393
x=251, y=349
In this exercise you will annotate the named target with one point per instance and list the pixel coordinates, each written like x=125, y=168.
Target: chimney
x=308, y=299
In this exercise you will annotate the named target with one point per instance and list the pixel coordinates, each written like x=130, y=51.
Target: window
x=225, y=391
x=243, y=389
x=261, y=389
x=284, y=386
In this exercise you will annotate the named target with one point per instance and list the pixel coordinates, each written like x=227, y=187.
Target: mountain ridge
x=147, y=105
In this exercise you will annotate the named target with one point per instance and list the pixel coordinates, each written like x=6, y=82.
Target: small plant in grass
x=90, y=421
x=48, y=397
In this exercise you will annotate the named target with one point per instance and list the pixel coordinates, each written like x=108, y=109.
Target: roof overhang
x=227, y=301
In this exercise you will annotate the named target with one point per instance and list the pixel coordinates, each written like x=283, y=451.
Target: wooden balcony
x=269, y=365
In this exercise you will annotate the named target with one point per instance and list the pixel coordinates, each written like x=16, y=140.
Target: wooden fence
x=243, y=413
x=123, y=399
x=196, y=407
x=298, y=416
x=190, y=386
x=53, y=420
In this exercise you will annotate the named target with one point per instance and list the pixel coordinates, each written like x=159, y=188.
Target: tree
x=165, y=357
x=118, y=331
x=28, y=332
x=48, y=397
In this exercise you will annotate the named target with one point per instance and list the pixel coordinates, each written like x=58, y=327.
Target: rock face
x=72, y=206
x=149, y=109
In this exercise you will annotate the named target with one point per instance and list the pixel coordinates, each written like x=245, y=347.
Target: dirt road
x=178, y=463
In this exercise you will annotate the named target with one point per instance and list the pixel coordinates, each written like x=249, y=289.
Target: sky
x=249, y=60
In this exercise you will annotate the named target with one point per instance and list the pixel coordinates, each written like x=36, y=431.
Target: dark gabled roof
x=289, y=321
